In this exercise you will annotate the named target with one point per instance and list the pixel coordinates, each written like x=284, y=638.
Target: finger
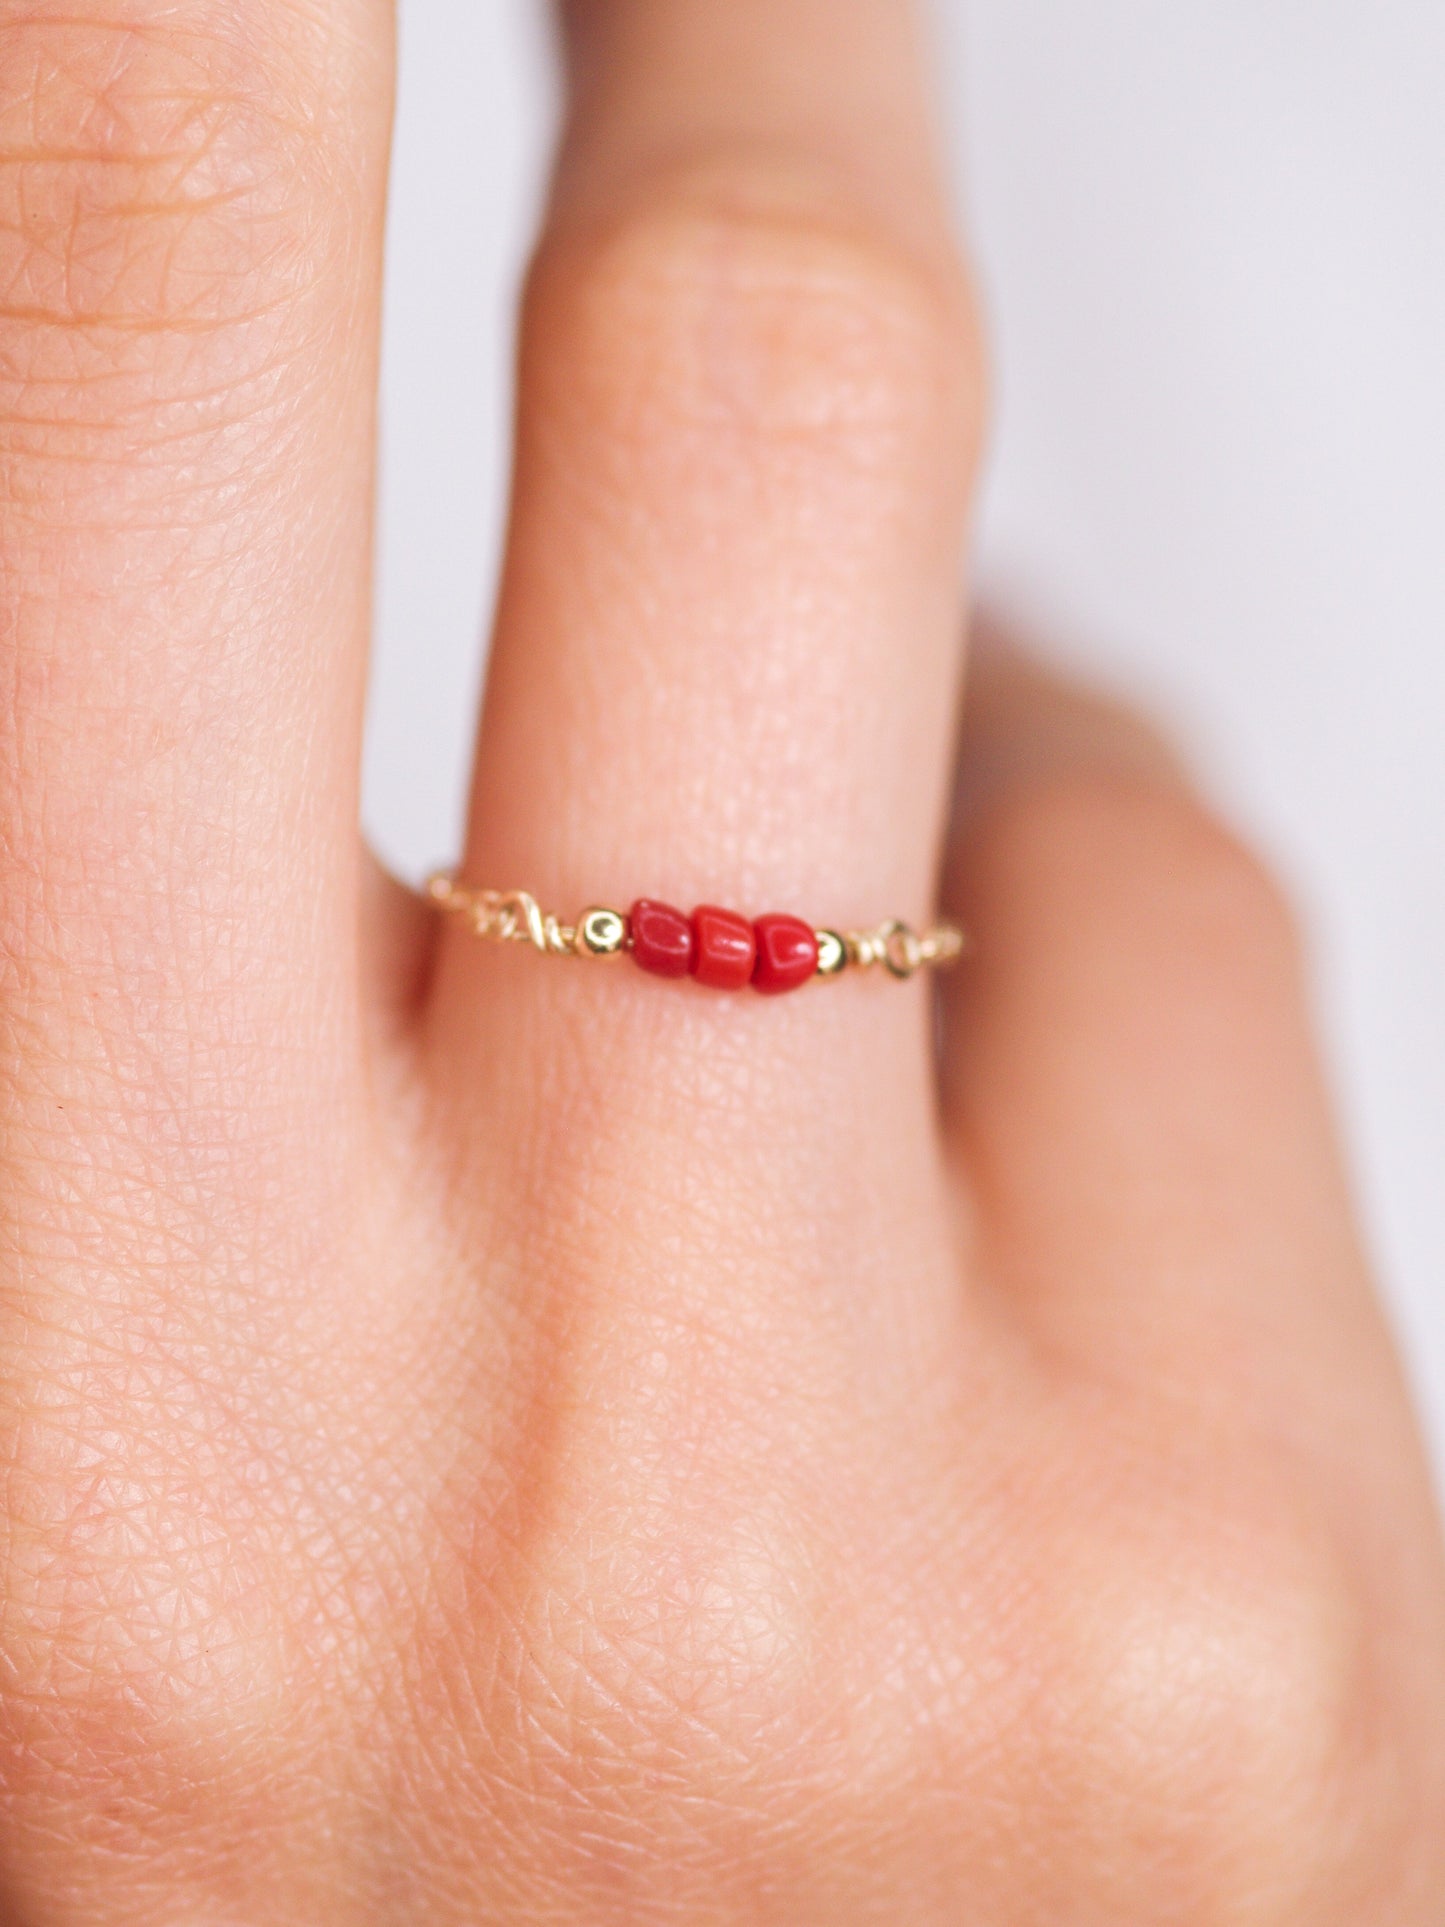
x=190, y=203
x=727, y=646
x=723, y=673
x=1131, y=1082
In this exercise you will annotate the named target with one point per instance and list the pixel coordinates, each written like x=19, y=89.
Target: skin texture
x=488, y=1439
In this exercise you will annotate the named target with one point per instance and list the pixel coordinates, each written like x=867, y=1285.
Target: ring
x=719, y=948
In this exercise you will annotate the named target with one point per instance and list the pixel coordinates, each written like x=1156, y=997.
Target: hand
x=495, y=1439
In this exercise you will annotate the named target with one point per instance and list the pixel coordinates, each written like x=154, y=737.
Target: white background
x=1211, y=241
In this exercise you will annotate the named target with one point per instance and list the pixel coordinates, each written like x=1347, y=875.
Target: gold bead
x=601, y=933
x=832, y=953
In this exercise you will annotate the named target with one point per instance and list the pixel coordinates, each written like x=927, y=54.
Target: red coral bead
x=787, y=954
x=725, y=948
x=662, y=939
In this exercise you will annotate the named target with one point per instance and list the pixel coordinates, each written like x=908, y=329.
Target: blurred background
x=1211, y=243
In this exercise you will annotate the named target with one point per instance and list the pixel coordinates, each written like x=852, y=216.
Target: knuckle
x=1245, y=1683
x=716, y=312
x=116, y=1616
x=140, y=1658
x=155, y=177
x=689, y=1630
x=1214, y=1690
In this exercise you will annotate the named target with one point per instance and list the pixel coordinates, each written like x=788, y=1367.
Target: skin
x=498, y=1440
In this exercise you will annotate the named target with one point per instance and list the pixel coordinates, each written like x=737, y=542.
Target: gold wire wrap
x=514, y=916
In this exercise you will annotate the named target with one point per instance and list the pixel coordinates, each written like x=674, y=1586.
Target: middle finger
x=726, y=654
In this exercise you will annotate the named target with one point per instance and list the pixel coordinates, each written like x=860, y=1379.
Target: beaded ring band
x=719, y=948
